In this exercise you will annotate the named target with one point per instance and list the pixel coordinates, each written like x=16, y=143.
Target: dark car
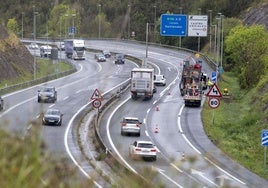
x=47, y=94
x=119, y=59
x=52, y=117
x=106, y=53
x=1, y=103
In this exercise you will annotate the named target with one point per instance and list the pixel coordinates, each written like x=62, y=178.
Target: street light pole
x=35, y=13
x=198, y=48
x=218, y=38
x=99, y=19
x=22, y=25
x=180, y=8
x=222, y=16
x=73, y=29
x=154, y=21
x=210, y=19
x=128, y=29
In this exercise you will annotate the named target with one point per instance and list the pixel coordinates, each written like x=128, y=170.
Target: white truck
x=142, y=83
x=45, y=51
x=75, y=49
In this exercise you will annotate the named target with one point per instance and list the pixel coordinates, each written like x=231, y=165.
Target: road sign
x=72, y=30
x=96, y=103
x=173, y=25
x=214, y=102
x=197, y=25
x=264, y=139
x=214, y=76
x=214, y=91
x=96, y=95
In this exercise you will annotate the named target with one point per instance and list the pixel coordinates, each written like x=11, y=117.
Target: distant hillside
x=15, y=59
x=256, y=15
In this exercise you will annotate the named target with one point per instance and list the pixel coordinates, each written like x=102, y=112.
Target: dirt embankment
x=15, y=59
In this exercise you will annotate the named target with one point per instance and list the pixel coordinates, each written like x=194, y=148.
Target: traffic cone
x=157, y=108
x=156, y=129
x=182, y=156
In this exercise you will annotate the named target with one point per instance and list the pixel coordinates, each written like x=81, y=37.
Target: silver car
x=131, y=125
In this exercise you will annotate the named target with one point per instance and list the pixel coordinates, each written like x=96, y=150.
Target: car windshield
x=53, y=112
x=48, y=89
x=145, y=145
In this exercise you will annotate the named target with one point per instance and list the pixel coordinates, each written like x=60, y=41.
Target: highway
x=185, y=154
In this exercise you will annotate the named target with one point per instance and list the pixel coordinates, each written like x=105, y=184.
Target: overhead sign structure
x=214, y=91
x=173, y=25
x=264, y=139
x=197, y=25
x=214, y=102
x=96, y=95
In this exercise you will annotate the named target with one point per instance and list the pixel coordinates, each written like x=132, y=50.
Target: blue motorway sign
x=214, y=76
x=72, y=30
x=173, y=25
x=264, y=139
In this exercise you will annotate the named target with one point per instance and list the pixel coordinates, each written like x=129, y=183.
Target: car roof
x=128, y=117
x=144, y=142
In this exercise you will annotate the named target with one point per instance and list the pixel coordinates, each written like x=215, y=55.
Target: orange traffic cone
x=182, y=156
x=157, y=108
x=156, y=129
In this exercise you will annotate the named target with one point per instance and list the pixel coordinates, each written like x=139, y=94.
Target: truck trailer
x=142, y=83
x=75, y=49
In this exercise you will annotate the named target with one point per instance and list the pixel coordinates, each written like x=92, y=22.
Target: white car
x=159, y=79
x=143, y=150
x=33, y=46
x=131, y=125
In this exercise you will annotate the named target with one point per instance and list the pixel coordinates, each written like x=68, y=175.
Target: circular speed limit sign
x=96, y=103
x=213, y=102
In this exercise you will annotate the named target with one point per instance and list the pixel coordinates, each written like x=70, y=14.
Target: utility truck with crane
x=192, y=84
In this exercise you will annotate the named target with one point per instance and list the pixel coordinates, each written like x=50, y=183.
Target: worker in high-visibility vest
x=225, y=91
x=209, y=83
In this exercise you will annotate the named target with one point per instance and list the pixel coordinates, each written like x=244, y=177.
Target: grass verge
x=236, y=128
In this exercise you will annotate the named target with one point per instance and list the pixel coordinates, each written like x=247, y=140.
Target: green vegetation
x=237, y=127
x=44, y=67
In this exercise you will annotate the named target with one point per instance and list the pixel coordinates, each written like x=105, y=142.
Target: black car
x=119, y=59
x=1, y=103
x=52, y=117
x=47, y=94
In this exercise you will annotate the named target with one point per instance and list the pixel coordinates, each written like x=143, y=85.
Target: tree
x=246, y=47
x=12, y=25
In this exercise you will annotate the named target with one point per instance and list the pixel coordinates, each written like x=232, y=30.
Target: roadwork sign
x=214, y=91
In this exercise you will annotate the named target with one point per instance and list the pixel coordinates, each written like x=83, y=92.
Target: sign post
x=264, y=142
x=214, y=95
x=96, y=99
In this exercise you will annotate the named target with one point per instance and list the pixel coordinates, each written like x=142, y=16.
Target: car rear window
x=132, y=121
x=145, y=145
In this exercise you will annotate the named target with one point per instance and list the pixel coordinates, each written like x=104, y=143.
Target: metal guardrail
x=22, y=85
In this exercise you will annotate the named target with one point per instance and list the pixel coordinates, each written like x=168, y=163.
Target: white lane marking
x=187, y=140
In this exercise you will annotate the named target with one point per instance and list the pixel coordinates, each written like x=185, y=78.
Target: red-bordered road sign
x=214, y=91
x=96, y=103
x=96, y=95
x=214, y=102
